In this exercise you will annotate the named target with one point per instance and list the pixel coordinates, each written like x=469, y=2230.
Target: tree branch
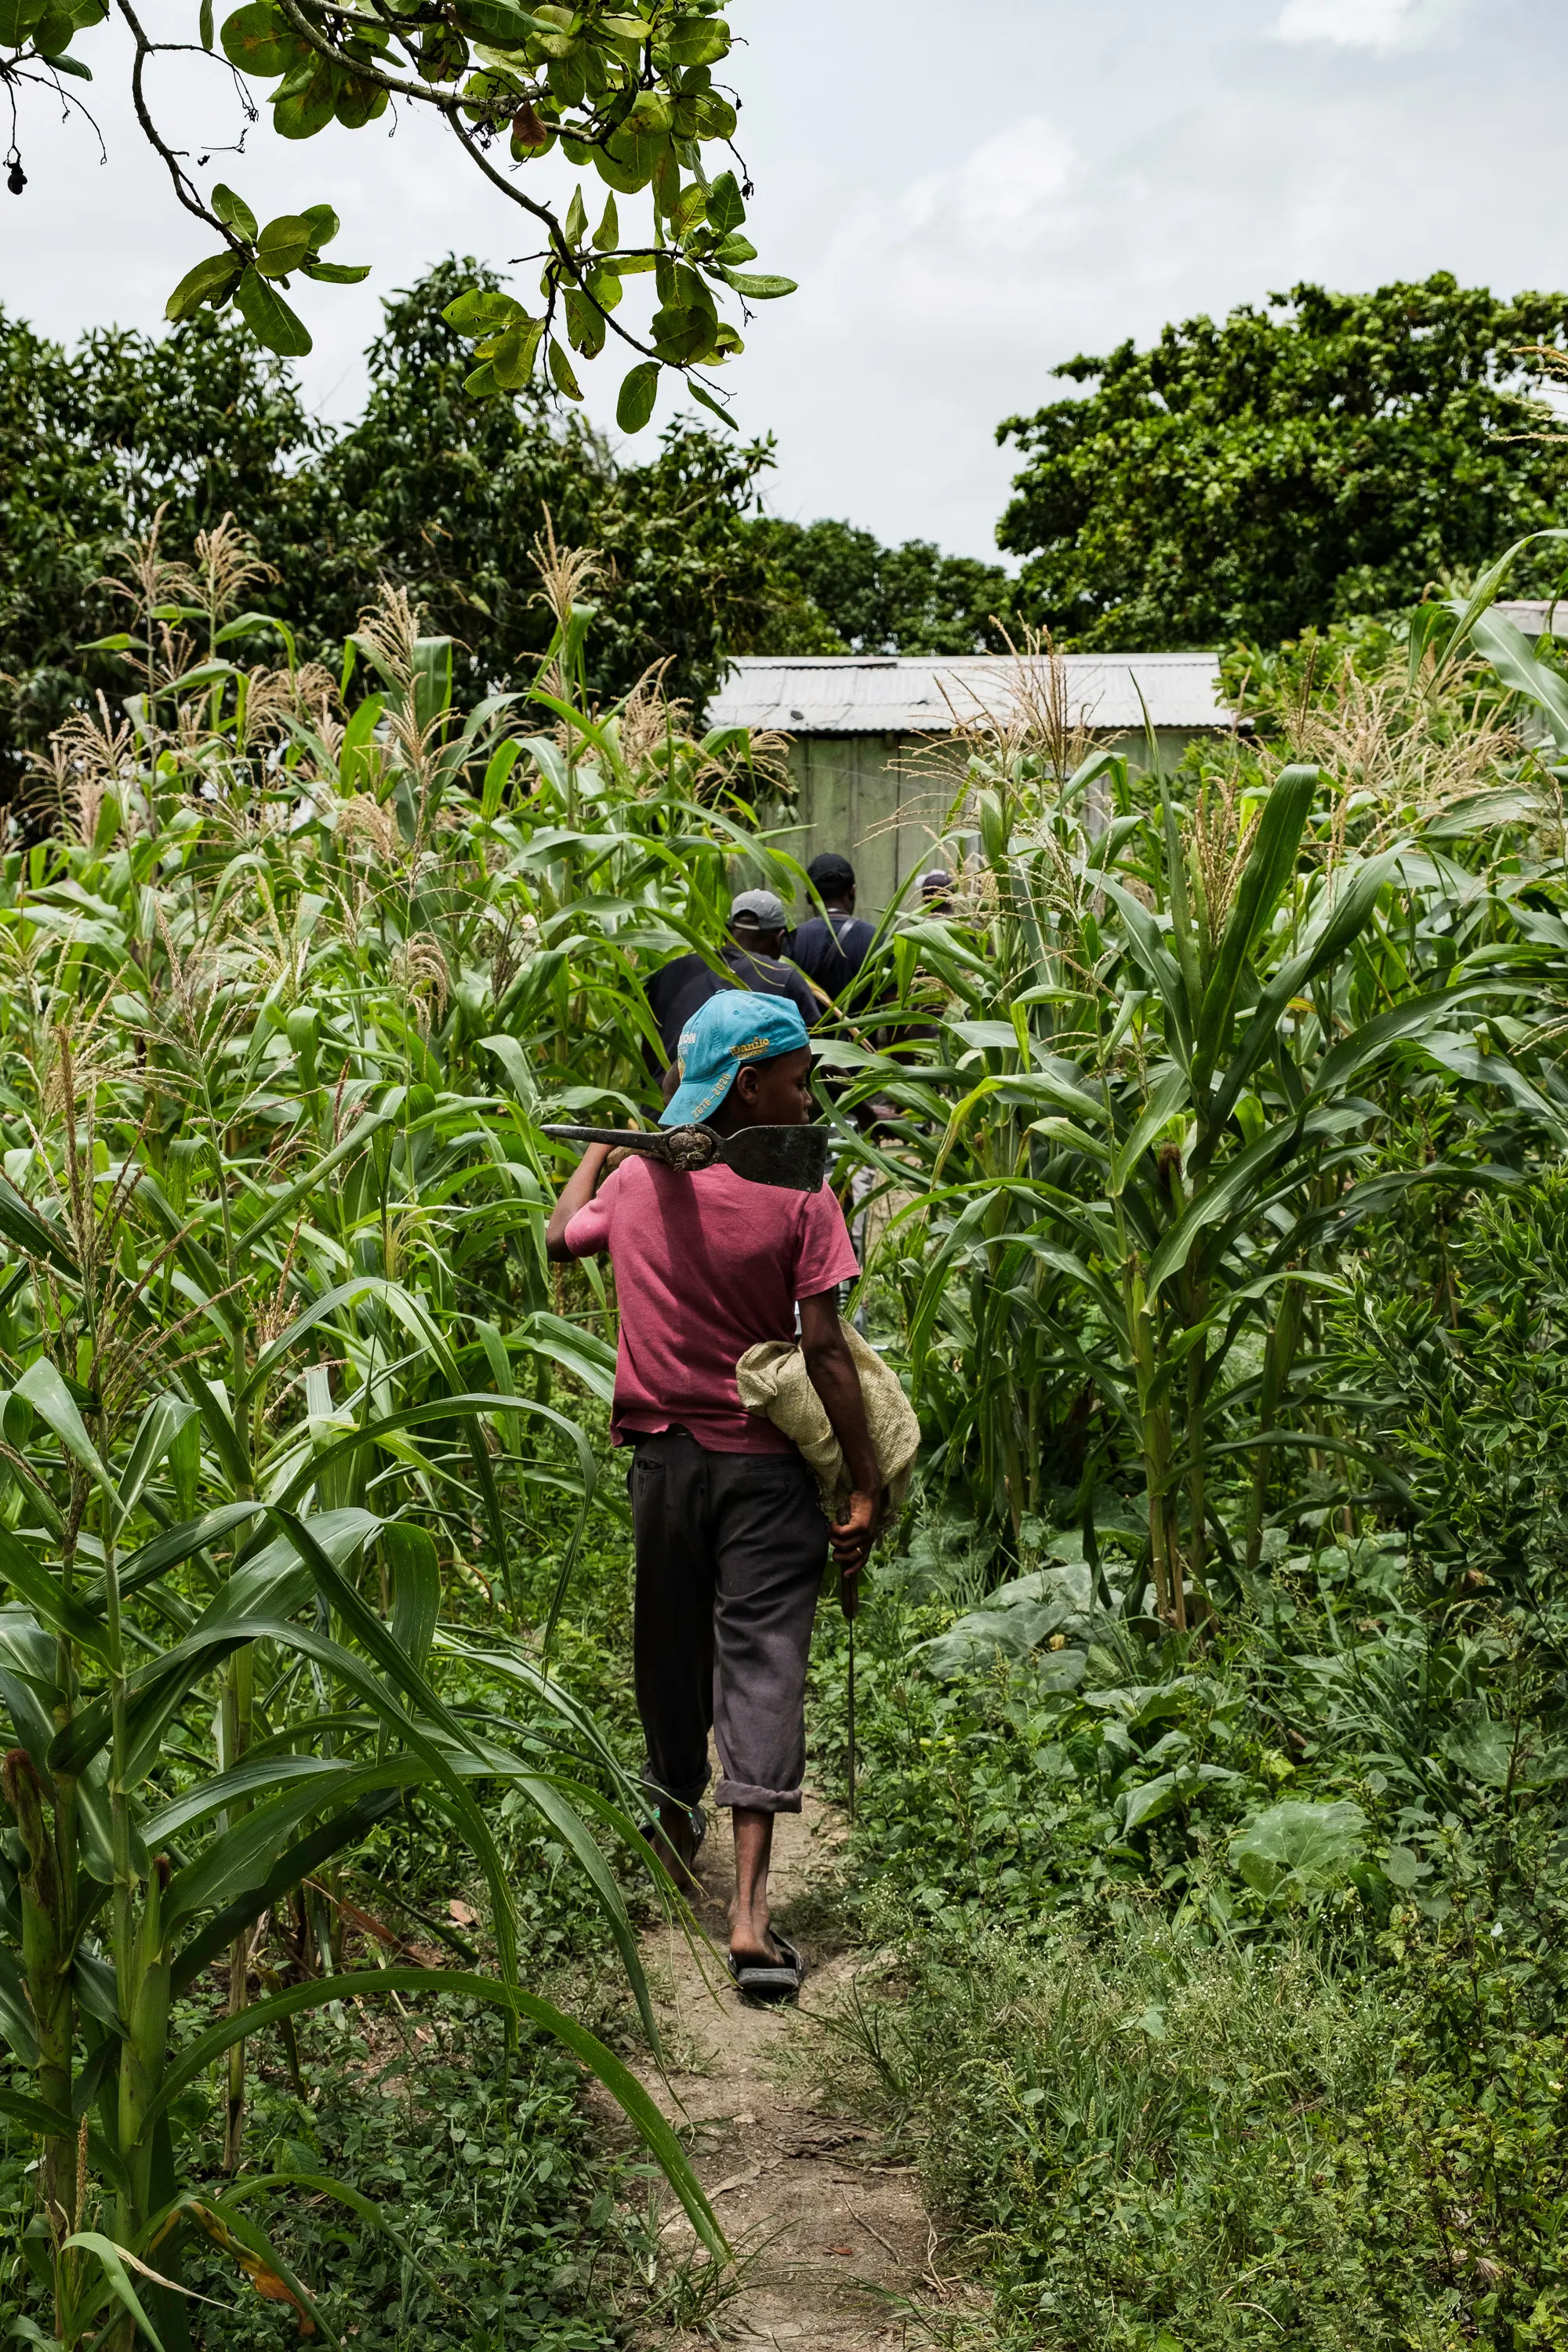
x=184, y=189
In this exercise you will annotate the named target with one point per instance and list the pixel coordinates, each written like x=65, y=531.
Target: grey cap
x=764, y=910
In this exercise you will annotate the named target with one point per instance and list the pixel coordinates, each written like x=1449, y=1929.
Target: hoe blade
x=792, y=1156
x=795, y=1158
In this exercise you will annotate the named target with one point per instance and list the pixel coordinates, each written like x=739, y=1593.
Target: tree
x=629, y=96
x=447, y=499
x=443, y=496
x=843, y=591
x=92, y=442
x=1325, y=455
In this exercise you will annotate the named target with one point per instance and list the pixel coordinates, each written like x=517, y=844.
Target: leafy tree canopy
x=1324, y=456
x=628, y=97
x=428, y=489
x=840, y=591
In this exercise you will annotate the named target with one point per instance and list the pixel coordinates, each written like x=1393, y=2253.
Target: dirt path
x=833, y=2240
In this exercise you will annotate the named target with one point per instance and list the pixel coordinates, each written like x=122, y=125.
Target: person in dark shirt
x=752, y=953
x=830, y=948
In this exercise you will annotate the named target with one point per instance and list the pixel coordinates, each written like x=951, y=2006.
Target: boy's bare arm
x=576, y=1194
x=833, y=1376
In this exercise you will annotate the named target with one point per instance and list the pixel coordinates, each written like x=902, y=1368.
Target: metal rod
x=851, y=1624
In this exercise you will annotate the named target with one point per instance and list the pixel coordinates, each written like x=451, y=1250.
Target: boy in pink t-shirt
x=730, y=1535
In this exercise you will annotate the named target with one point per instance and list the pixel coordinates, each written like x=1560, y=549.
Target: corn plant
x=1171, y=1018
x=279, y=1353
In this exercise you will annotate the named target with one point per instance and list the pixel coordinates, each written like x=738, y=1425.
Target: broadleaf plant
x=629, y=96
x=289, y=990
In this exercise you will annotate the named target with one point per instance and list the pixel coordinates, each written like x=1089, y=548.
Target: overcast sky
x=968, y=193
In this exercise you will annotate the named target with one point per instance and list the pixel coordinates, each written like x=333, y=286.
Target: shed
x=863, y=729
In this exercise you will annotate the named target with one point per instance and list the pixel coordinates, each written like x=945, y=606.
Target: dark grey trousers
x=730, y=1553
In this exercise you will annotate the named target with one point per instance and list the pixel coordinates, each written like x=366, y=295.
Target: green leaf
x=112, y=2260
x=281, y=247
x=18, y=18
x=726, y=210
x=234, y=213
x=335, y=273
x=42, y=1387
x=690, y=207
x=607, y=236
x=324, y=225
x=359, y=101
x=46, y=1595
x=513, y=357
x=212, y=280
x=269, y=318
x=758, y=289
x=1357, y=887
x=695, y=41
x=321, y=2184
x=605, y=285
x=1270, y=864
x=705, y=400
x=480, y=310
x=192, y=2060
x=680, y=335
x=204, y=25
x=576, y=227
x=47, y=2122
x=416, y=1575
x=638, y=393
x=256, y=40
x=1169, y=1094
x=584, y=323
x=1312, y=1843
x=499, y=23
x=562, y=370
x=161, y=1425
x=301, y=111
x=20, y=1222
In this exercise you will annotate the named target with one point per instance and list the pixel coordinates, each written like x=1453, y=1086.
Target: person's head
x=833, y=879
x=744, y=1061
x=936, y=888
x=758, y=921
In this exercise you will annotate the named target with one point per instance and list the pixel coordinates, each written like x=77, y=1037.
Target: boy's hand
x=852, y=1537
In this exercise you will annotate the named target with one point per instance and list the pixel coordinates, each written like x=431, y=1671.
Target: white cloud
x=1006, y=185
x=1066, y=178
x=1364, y=23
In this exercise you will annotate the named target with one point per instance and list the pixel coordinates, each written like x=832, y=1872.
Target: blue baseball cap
x=732, y=1028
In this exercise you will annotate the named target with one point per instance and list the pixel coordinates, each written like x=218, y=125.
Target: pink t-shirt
x=706, y=1267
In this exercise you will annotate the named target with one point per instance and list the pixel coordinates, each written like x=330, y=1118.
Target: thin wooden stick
x=851, y=1624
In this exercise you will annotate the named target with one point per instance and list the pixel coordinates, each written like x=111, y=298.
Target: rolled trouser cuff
x=690, y=1797
x=754, y=1800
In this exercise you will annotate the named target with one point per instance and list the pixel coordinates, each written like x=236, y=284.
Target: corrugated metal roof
x=1529, y=614
x=857, y=694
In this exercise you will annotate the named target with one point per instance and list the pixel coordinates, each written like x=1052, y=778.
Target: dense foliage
x=1324, y=456
x=443, y=496
x=288, y=1405
x=844, y=593
x=629, y=98
x=1212, y=1719
x=1213, y=1732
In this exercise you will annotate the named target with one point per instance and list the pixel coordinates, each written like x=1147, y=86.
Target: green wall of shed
x=879, y=799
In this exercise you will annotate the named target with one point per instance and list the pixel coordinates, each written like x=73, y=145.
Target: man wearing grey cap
x=757, y=926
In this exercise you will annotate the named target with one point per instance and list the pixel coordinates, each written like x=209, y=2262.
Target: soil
x=834, y=2247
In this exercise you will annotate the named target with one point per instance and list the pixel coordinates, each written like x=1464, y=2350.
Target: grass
x=1155, y=2108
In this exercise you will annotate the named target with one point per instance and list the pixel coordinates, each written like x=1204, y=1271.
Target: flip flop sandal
x=770, y=1981
x=653, y=1827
